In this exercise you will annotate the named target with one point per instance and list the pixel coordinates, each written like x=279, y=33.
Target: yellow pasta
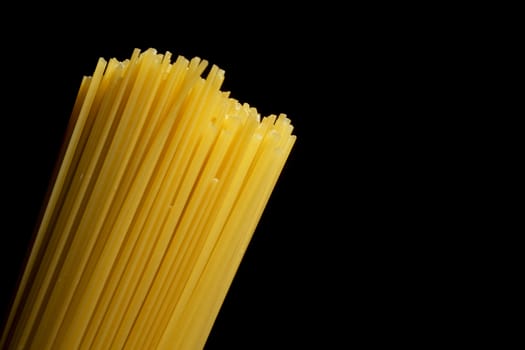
x=158, y=189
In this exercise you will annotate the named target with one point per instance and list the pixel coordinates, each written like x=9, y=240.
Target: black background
x=331, y=261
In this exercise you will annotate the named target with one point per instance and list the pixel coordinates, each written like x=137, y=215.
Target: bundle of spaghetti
x=157, y=192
